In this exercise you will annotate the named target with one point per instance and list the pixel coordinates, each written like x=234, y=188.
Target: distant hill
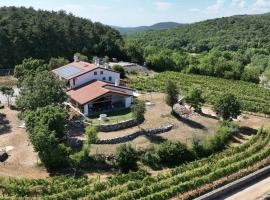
x=227, y=33
x=139, y=29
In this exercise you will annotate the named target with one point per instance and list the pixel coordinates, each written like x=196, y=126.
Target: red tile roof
x=92, y=91
x=84, y=67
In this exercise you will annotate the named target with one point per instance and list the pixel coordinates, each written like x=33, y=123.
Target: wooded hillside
x=228, y=33
x=41, y=34
x=235, y=47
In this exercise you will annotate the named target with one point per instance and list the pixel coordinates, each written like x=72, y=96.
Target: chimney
x=106, y=66
x=117, y=82
x=97, y=62
x=75, y=58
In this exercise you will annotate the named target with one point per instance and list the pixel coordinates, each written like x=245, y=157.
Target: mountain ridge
x=139, y=29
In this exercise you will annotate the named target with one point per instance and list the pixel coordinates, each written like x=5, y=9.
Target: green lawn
x=113, y=116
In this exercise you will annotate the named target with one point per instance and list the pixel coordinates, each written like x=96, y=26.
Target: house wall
x=91, y=76
x=85, y=110
x=128, y=101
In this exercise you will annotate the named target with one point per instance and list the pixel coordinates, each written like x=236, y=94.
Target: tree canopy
x=46, y=128
x=172, y=94
x=25, y=32
x=41, y=90
x=29, y=67
x=227, y=106
x=236, y=47
x=195, y=98
x=126, y=158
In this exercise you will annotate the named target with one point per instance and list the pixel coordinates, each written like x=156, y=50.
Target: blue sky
x=147, y=12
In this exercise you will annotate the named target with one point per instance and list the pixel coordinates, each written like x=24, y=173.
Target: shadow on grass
x=4, y=124
x=156, y=139
x=247, y=130
x=188, y=122
x=98, y=167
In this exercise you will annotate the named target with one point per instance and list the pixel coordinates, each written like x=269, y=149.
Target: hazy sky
x=146, y=12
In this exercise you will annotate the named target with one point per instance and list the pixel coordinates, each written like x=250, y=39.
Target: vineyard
x=183, y=181
x=253, y=98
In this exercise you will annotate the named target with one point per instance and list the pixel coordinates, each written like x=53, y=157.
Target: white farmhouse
x=93, y=88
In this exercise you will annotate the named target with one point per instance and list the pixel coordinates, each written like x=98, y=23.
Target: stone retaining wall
x=118, y=126
x=127, y=138
x=235, y=185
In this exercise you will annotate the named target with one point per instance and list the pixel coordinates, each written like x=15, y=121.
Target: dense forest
x=25, y=32
x=235, y=47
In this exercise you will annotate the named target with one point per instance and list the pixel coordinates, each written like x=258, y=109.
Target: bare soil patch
x=201, y=126
x=8, y=80
x=22, y=160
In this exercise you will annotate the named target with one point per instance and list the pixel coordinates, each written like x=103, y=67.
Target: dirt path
x=253, y=192
x=22, y=161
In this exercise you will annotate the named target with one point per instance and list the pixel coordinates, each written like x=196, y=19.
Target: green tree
x=82, y=157
x=8, y=92
x=195, y=99
x=134, y=53
x=227, y=106
x=119, y=69
x=91, y=134
x=81, y=57
x=138, y=110
x=251, y=75
x=172, y=94
x=26, y=32
x=29, y=67
x=52, y=115
x=198, y=148
x=41, y=90
x=161, y=61
x=222, y=136
x=126, y=158
x=52, y=153
x=46, y=129
x=57, y=62
x=173, y=153
x=106, y=59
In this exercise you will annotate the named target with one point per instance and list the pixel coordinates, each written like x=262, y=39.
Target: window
x=110, y=78
x=104, y=78
x=74, y=82
x=95, y=73
x=101, y=72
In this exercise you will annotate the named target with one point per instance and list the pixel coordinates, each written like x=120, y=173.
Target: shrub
x=138, y=110
x=222, y=136
x=119, y=69
x=173, y=153
x=198, y=148
x=126, y=158
x=152, y=159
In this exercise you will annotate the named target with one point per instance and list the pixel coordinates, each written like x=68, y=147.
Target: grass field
x=113, y=116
